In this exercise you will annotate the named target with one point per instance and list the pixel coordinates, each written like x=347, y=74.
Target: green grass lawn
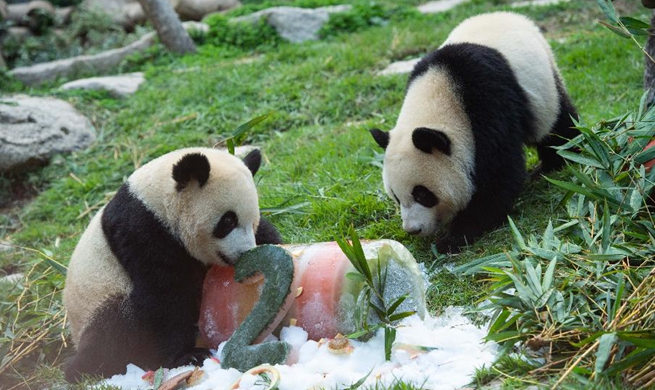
x=322, y=170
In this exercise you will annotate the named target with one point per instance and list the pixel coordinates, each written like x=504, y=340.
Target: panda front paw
x=195, y=357
x=451, y=244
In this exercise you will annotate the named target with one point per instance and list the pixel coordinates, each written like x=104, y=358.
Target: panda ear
x=426, y=140
x=192, y=166
x=253, y=161
x=381, y=137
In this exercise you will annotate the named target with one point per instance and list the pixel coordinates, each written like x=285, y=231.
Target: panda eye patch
x=227, y=223
x=424, y=197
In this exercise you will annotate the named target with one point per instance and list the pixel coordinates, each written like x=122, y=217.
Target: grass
x=322, y=170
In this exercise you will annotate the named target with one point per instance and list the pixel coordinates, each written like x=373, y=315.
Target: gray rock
x=12, y=279
x=536, y=3
x=295, y=24
x=399, y=67
x=118, y=86
x=197, y=9
x=33, y=129
x=98, y=63
x=434, y=7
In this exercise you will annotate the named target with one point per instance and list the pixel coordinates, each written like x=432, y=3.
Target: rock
x=33, y=129
x=64, y=15
x=536, y=3
x=295, y=24
x=434, y=7
x=12, y=279
x=197, y=9
x=118, y=86
x=37, y=15
x=127, y=13
x=399, y=67
x=198, y=26
x=98, y=63
x=3, y=10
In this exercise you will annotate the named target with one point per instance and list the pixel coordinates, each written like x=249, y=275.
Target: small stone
x=120, y=86
x=434, y=7
x=536, y=3
x=399, y=67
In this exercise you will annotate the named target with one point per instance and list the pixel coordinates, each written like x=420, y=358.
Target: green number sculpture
x=277, y=266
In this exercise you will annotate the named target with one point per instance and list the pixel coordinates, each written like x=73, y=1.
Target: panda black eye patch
x=424, y=197
x=225, y=226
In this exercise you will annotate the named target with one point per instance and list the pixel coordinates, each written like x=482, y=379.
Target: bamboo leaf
x=605, y=343
x=517, y=235
x=608, y=9
x=580, y=159
x=389, y=338
x=355, y=276
x=547, y=283
x=633, y=23
x=617, y=30
x=400, y=316
x=503, y=336
x=607, y=227
x=397, y=303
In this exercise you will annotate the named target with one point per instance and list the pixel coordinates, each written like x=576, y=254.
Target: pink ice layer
x=322, y=300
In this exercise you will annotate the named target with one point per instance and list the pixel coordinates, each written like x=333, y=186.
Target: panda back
x=529, y=56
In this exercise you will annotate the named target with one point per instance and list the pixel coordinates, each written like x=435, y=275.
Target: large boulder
x=197, y=9
x=295, y=24
x=33, y=129
x=37, y=15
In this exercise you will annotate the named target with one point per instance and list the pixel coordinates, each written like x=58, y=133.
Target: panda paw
x=195, y=357
x=450, y=244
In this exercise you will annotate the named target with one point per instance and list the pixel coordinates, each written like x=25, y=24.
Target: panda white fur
x=134, y=281
x=455, y=155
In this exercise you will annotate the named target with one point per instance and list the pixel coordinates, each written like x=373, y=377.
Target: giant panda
x=455, y=155
x=134, y=282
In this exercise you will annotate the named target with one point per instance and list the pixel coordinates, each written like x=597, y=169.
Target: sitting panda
x=134, y=282
x=456, y=153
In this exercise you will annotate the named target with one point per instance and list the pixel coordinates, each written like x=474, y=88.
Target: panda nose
x=415, y=231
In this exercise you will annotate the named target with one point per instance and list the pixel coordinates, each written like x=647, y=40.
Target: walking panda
x=456, y=153
x=134, y=282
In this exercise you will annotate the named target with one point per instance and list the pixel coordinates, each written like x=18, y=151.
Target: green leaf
x=56, y=265
x=608, y=9
x=580, y=159
x=547, y=283
x=605, y=343
x=517, y=235
x=359, y=383
x=607, y=227
x=616, y=30
x=634, y=23
x=643, y=342
x=397, y=303
x=389, y=338
x=355, y=276
x=503, y=336
x=645, y=156
x=400, y=316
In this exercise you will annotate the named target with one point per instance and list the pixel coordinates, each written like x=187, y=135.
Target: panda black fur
x=456, y=153
x=134, y=282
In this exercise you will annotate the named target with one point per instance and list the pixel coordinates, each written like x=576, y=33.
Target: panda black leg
x=107, y=345
x=563, y=131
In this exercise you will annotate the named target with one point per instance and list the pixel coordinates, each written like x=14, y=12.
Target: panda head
x=423, y=174
x=206, y=198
